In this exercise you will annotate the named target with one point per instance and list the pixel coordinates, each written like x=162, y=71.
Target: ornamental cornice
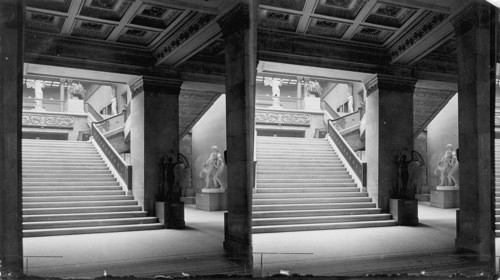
x=424, y=27
x=282, y=118
x=189, y=29
x=473, y=13
x=47, y=120
x=42, y=44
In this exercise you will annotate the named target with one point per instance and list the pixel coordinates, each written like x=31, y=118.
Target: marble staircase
x=302, y=184
x=68, y=189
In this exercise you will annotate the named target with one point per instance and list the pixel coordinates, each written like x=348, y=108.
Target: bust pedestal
x=211, y=200
x=75, y=106
x=445, y=197
x=312, y=103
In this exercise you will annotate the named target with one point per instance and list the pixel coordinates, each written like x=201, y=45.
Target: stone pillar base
x=405, y=212
x=211, y=201
x=445, y=198
x=171, y=214
x=236, y=249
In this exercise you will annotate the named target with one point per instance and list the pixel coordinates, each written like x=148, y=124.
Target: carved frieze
x=283, y=118
x=47, y=120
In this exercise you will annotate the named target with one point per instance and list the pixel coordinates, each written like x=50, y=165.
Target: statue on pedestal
x=113, y=105
x=275, y=85
x=448, y=168
x=38, y=94
x=213, y=169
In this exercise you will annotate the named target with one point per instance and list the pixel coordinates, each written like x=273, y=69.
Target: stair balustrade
x=350, y=156
x=124, y=170
x=89, y=109
x=346, y=121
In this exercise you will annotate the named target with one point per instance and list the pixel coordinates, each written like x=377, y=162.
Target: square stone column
x=389, y=131
x=239, y=32
x=154, y=135
x=11, y=88
x=476, y=40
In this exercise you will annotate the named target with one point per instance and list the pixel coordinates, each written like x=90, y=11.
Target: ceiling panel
x=278, y=20
x=328, y=28
x=372, y=35
x=53, y=5
x=347, y=9
x=137, y=36
x=155, y=16
x=390, y=15
x=297, y=5
x=91, y=29
x=105, y=9
x=44, y=22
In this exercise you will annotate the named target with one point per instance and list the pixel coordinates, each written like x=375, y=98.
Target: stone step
x=60, y=198
x=298, y=169
x=316, y=206
x=308, y=195
x=305, y=157
x=295, y=171
x=46, y=153
x=64, y=173
x=58, y=161
x=322, y=226
x=87, y=230
x=339, y=179
x=39, y=143
x=72, y=179
x=84, y=216
x=56, y=183
x=64, y=168
x=65, y=193
x=285, y=190
x=64, y=177
x=323, y=200
x=318, y=220
x=51, y=158
x=72, y=210
x=291, y=174
x=300, y=161
x=305, y=185
x=289, y=139
x=88, y=223
x=295, y=152
x=312, y=213
x=68, y=204
x=70, y=188
x=298, y=165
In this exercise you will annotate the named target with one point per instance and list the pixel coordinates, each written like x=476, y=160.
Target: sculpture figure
x=448, y=168
x=213, y=168
x=350, y=103
x=113, y=105
x=38, y=94
x=313, y=87
x=275, y=85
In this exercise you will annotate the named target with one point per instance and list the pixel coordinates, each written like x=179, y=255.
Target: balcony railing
x=50, y=105
x=290, y=103
x=352, y=159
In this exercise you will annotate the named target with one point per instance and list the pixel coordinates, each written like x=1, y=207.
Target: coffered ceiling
x=171, y=32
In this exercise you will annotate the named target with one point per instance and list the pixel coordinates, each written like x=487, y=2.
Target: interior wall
x=441, y=131
x=101, y=98
x=209, y=131
x=338, y=96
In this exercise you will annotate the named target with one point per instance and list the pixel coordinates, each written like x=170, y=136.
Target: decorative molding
x=424, y=28
x=474, y=13
x=282, y=118
x=497, y=119
x=197, y=23
x=47, y=120
x=371, y=89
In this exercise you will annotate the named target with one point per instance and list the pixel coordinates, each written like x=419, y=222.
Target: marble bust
x=448, y=170
x=212, y=170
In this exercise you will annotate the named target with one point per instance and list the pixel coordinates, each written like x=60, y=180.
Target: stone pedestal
x=404, y=212
x=445, y=198
x=170, y=214
x=188, y=200
x=211, y=201
x=312, y=103
x=75, y=106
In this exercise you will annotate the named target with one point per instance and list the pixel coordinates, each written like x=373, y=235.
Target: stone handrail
x=89, y=109
x=124, y=170
x=341, y=123
x=352, y=159
x=330, y=110
x=112, y=123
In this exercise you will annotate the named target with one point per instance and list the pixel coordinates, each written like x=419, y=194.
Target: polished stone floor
x=428, y=248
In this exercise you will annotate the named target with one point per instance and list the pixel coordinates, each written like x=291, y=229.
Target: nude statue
x=448, y=168
x=113, y=105
x=213, y=168
x=38, y=93
x=274, y=84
